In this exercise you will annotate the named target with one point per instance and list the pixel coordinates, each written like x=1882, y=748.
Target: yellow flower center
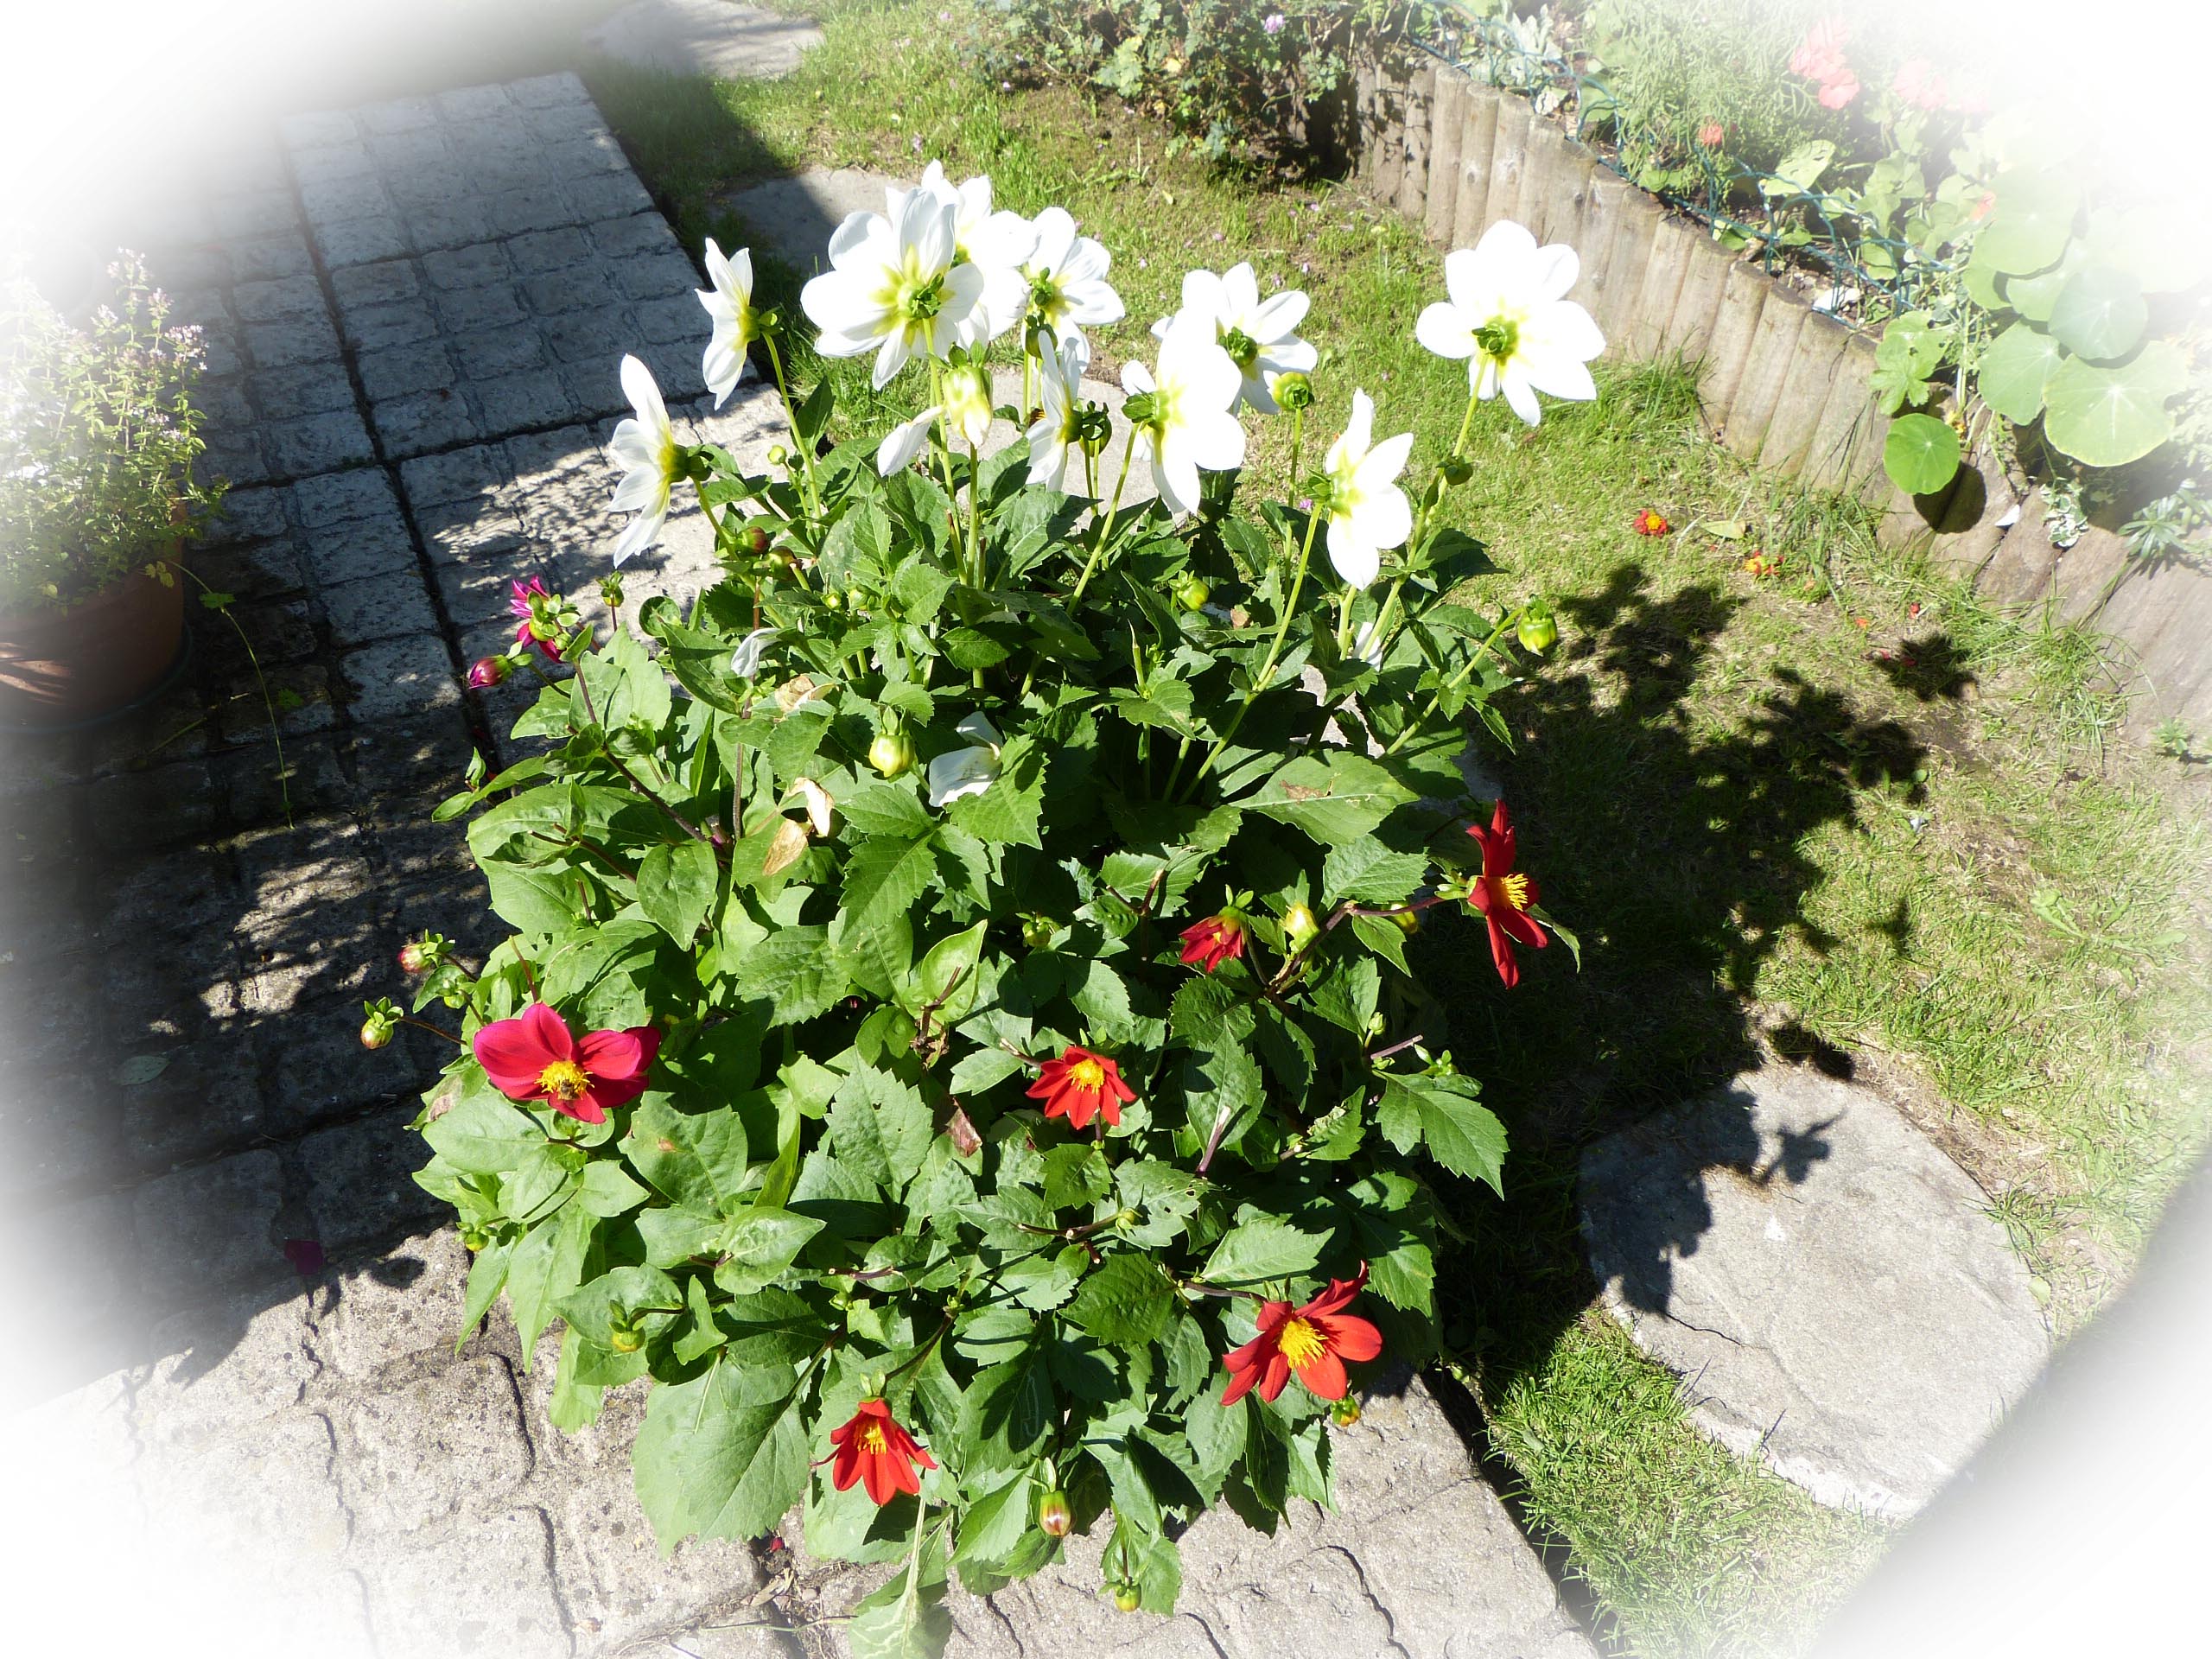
x=872, y=1438
x=1300, y=1343
x=1087, y=1074
x=563, y=1080
x=1514, y=889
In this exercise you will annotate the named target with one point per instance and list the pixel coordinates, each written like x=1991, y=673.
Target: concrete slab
x=707, y=37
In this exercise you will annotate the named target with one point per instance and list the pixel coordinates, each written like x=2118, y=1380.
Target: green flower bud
x=610, y=592
x=1039, y=932
x=1126, y=1598
x=1191, y=592
x=1138, y=410
x=473, y=1239
x=1053, y=1515
x=1298, y=925
x=1294, y=391
x=1344, y=1413
x=892, y=754
x=626, y=1339
x=1539, y=630
x=1409, y=921
x=778, y=455
x=753, y=538
x=1455, y=470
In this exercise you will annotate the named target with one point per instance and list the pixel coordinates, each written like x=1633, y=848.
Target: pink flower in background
x=533, y=1056
x=1820, y=55
x=1834, y=94
x=1273, y=23
x=518, y=604
x=1711, y=133
x=1920, y=85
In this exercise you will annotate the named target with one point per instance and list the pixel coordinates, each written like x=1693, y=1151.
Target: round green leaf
x=2107, y=417
x=1911, y=342
x=2029, y=227
x=2100, y=313
x=2014, y=369
x=1979, y=279
x=1922, y=454
x=2033, y=296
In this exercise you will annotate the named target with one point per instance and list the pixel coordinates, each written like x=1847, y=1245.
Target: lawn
x=1842, y=814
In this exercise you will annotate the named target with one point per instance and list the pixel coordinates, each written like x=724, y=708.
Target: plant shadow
x=1673, y=842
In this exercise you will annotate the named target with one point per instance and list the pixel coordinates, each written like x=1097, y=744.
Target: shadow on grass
x=1672, y=842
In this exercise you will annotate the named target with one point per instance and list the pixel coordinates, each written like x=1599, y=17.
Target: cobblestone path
x=243, y=1377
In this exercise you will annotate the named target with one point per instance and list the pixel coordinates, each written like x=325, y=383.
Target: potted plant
x=97, y=439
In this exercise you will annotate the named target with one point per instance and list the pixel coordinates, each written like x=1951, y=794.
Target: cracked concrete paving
x=247, y=1382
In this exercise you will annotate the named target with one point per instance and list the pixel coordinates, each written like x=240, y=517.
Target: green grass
x=1846, y=814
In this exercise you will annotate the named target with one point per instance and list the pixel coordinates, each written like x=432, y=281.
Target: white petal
x=644, y=532
x=1202, y=293
x=1565, y=326
x=1214, y=439
x=1137, y=380
x=962, y=772
x=1087, y=261
x=1557, y=266
x=891, y=357
x=1055, y=237
x=1292, y=356
x=976, y=728
x=1384, y=518
x=1091, y=303
x=746, y=664
x=1521, y=395
x=1175, y=475
x=636, y=492
x=926, y=228
x=1379, y=468
x=639, y=387
x=855, y=230
x=1358, y=432
x=1444, y=330
x=897, y=451
x=1356, y=561
x=1558, y=375
x=1048, y=454
x=1240, y=294
x=1280, y=316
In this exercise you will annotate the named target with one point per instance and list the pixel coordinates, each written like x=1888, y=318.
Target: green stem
x=1384, y=617
x=805, y=449
x=1454, y=683
x=1266, y=674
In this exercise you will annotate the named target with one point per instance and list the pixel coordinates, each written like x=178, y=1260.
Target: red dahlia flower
x=1504, y=896
x=1208, y=944
x=1649, y=522
x=532, y=1057
x=873, y=1449
x=519, y=598
x=1313, y=1341
x=1081, y=1085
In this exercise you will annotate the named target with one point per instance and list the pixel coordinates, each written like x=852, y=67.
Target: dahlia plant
x=956, y=1038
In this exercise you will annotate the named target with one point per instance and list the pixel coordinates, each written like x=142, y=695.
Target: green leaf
x=1336, y=801
x=695, y=1159
x=879, y=1128
x=1912, y=342
x=796, y=970
x=883, y=879
x=2107, y=417
x=1258, y=1250
x=1368, y=872
x=1461, y=1134
x=676, y=887
x=2100, y=313
x=1006, y=813
x=1922, y=454
x=2028, y=227
x=482, y=1134
x=905, y=1618
x=945, y=978
x=723, y=1455
x=1799, y=169
x=2015, y=369
x=1126, y=1300
x=546, y=1264
x=995, y=1522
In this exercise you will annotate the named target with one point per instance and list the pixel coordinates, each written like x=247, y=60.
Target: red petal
x=515, y=1052
x=1521, y=928
x=1500, y=829
x=847, y=1468
x=1323, y=1376
x=611, y=1056
x=879, y=1470
x=590, y=1107
x=1110, y=1110
x=1239, y=1384
x=1350, y=1337
x=1501, y=953
x=1278, y=1373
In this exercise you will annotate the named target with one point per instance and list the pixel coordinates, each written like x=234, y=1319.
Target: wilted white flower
x=747, y=664
x=894, y=289
x=1260, y=335
x=994, y=243
x=1066, y=277
x=645, y=447
x=1509, y=315
x=969, y=771
x=1054, y=433
x=817, y=800
x=729, y=303
x=1366, y=511
x=1188, y=424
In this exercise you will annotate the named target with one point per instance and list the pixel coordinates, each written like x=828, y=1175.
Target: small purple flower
x=487, y=671
x=521, y=602
x=1273, y=24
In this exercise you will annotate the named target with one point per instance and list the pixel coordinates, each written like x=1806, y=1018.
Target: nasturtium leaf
x=1801, y=169
x=2028, y=227
x=1913, y=342
x=723, y=1455
x=677, y=883
x=2100, y=313
x=1921, y=454
x=1260, y=1250
x=1126, y=1299
x=2014, y=370
x=2107, y=417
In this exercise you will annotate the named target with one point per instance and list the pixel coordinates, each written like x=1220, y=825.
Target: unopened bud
x=487, y=671
x=1053, y=1515
x=1409, y=921
x=892, y=754
x=753, y=540
x=1126, y=1598
x=1294, y=391
x=473, y=1239
x=625, y=1339
x=1139, y=410
x=610, y=591
x=1344, y=1413
x=1191, y=592
x=1455, y=470
x=411, y=959
x=1539, y=629
x=1039, y=932
x=381, y=1021
x=375, y=1034
x=1298, y=925
x=778, y=455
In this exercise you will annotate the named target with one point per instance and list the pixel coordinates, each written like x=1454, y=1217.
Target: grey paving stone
x=792, y=219
x=596, y=338
x=469, y=310
x=445, y=1445
x=361, y=1192
x=330, y=202
x=406, y=371
x=251, y=570
x=632, y=234
x=269, y=1497
x=494, y=351
x=664, y=279
x=533, y=397
x=470, y=103
x=299, y=339
x=397, y=115
x=547, y=92
x=328, y=163
x=403, y=152
x=76, y=1297
x=666, y=322
x=345, y=498
x=256, y=214
x=502, y=1607
x=222, y=1368
x=322, y=127
x=306, y=389
x=377, y=284
x=64, y=1130
x=619, y=1586
x=158, y=807
x=403, y=322
x=359, y=549
x=1832, y=1283
x=379, y=607
x=469, y=267
x=471, y=475
x=547, y=250
x=359, y=241
x=431, y=420
x=276, y=300
x=270, y=257
x=450, y=223
x=319, y=443
x=430, y=186
x=205, y=1231
x=606, y=194
x=707, y=37
x=207, y=1098
x=401, y=1309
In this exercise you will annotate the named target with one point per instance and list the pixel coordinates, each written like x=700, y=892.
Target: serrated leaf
x=883, y=879
x=1126, y=1300
x=723, y=1455
x=879, y=1128
x=907, y=1618
x=695, y=1159
x=1258, y=1250
x=677, y=883
x=1370, y=873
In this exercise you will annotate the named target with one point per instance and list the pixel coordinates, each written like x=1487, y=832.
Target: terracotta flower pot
x=65, y=668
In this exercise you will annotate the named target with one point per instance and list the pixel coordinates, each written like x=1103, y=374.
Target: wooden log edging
x=1781, y=384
